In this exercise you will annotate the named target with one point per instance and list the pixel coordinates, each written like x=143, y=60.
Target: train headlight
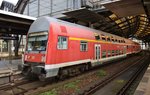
x=43, y=59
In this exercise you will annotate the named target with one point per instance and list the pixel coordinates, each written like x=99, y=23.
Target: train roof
x=43, y=23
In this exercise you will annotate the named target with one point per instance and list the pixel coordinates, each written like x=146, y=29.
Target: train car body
x=53, y=44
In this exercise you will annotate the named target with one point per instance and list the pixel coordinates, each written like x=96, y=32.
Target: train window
x=124, y=51
x=62, y=42
x=83, y=46
x=112, y=40
x=108, y=39
x=103, y=37
x=109, y=53
x=104, y=54
x=116, y=52
x=113, y=52
x=97, y=37
x=37, y=41
x=115, y=40
x=120, y=52
x=127, y=46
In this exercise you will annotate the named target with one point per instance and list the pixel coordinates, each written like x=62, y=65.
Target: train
x=55, y=48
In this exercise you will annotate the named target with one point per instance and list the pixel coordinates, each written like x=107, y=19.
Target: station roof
x=12, y=23
x=127, y=18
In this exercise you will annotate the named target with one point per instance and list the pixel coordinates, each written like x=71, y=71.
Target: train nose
x=38, y=58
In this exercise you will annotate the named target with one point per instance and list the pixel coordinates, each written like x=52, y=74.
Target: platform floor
x=7, y=65
x=144, y=86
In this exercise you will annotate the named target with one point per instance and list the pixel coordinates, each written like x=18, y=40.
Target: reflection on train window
x=83, y=46
x=109, y=53
x=104, y=54
x=62, y=42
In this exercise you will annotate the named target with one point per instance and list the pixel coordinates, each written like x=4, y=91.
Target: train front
x=36, y=47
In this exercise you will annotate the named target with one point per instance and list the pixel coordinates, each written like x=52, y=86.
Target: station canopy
x=126, y=18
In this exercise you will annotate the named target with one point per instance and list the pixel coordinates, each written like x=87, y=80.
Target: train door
x=97, y=51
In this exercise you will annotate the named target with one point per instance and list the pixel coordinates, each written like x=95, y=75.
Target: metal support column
x=10, y=51
x=17, y=44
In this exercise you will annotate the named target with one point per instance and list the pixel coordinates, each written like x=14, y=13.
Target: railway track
x=91, y=89
x=140, y=71
x=32, y=87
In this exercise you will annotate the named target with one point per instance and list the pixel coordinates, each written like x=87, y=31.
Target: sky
x=12, y=1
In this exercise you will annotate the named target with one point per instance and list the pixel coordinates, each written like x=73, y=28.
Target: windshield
x=37, y=42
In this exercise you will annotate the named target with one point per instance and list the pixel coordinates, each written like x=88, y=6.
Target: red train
x=56, y=47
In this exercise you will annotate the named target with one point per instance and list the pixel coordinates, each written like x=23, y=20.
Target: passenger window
x=112, y=40
x=97, y=37
x=103, y=37
x=108, y=39
x=83, y=46
x=116, y=52
x=104, y=54
x=120, y=52
x=113, y=52
x=124, y=51
x=62, y=42
x=109, y=53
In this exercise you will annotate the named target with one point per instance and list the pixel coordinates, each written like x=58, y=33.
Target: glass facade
x=53, y=8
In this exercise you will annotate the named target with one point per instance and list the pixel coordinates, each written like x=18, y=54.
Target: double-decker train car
x=57, y=47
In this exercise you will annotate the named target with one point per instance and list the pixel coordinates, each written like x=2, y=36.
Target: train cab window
x=109, y=53
x=62, y=42
x=83, y=46
x=104, y=54
x=37, y=41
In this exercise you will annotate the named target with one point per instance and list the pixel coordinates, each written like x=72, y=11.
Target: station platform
x=144, y=85
x=9, y=66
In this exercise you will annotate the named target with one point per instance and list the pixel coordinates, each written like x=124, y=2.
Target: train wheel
x=26, y=71
x=42, y=77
